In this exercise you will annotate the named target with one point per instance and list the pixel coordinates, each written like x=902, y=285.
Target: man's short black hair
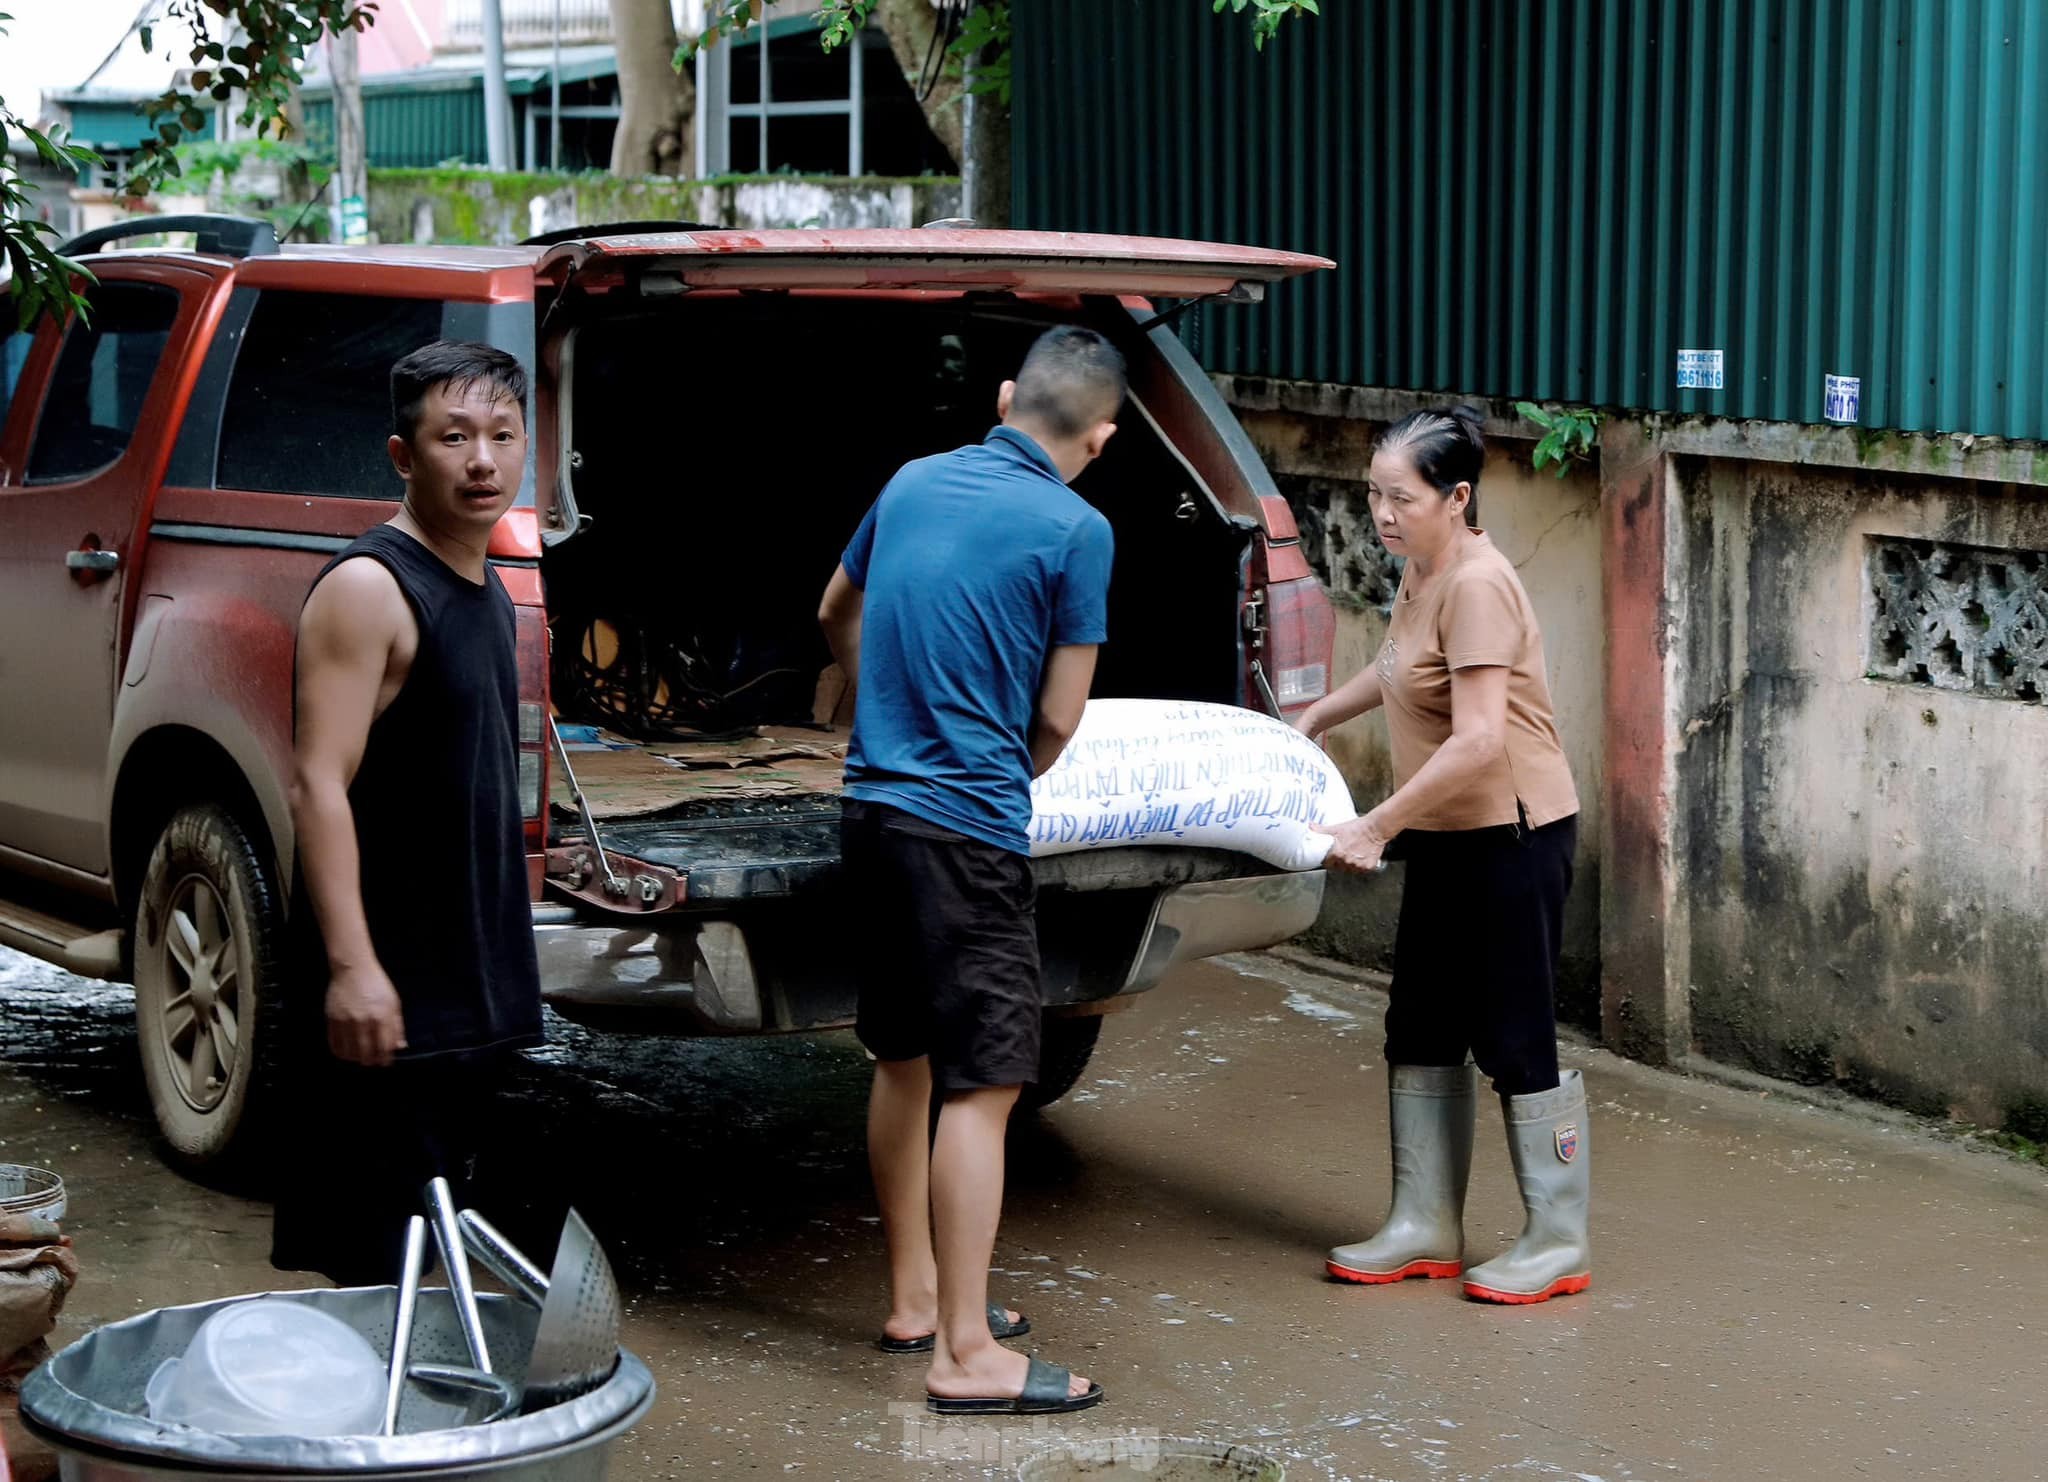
x=458, y=364
x=1072, y=379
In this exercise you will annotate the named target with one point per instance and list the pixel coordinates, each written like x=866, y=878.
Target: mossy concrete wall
x=1866, y=860
x=477, y=207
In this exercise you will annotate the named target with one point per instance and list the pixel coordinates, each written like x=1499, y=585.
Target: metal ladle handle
x=401, y=1324
x=448, y=1237
x=502, y=1258
x=470, y=1383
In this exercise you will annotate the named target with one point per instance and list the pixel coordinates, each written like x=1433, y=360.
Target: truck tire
x=1065, y=1044
x=208, y=938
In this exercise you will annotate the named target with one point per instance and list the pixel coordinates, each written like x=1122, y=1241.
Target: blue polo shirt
x=976, y=564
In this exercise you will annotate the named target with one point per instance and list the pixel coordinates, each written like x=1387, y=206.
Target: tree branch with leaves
x=254, y=48
x=38, y=277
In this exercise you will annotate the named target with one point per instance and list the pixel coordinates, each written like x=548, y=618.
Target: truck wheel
x=208, y=927
x=1066, y=1042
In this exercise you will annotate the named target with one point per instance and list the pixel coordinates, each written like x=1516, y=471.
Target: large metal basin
x=87, y=1403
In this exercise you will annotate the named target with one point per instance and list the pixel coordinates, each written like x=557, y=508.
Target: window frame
x=46, y=356
x=196, y=459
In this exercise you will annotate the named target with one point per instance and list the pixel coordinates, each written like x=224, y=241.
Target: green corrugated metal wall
x=413, y=130
x=116, y=125
x=1551, y=198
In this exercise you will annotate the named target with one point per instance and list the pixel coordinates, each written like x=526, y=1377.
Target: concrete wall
x=1318, y=443
x=1864, y=862
x=475, y=206
x=1786, y=863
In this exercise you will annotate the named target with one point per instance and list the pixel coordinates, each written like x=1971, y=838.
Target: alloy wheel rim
x=202, y=1012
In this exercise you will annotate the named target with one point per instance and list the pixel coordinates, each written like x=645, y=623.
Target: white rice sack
x=1175, y=772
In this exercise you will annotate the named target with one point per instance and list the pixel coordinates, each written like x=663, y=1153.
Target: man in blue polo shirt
x=968, y=609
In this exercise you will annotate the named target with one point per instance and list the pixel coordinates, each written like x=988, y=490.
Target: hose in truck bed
x=654, y=686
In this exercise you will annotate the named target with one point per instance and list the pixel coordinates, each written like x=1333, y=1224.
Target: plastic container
x=25, y=1190
x=272, y=1368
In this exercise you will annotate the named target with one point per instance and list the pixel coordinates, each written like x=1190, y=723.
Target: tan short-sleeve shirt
x=1474, y=614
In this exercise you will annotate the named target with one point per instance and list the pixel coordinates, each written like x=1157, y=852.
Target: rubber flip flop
x=1045, y=1393
x=999, y=1327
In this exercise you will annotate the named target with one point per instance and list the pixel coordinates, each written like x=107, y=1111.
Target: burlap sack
x=37, y=1271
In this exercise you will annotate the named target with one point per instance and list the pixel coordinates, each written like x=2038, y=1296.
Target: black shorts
x=946, y=948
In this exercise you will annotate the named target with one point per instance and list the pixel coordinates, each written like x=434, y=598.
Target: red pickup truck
x=713, y=412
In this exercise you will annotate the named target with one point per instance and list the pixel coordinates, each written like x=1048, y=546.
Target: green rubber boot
x=1430, y=1109
x=1552, y=1155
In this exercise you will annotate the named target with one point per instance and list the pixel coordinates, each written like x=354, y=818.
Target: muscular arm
x=1479, y=717
x=1358, y=694
x=356, y=637
x=839, y=615
x=1062, y=695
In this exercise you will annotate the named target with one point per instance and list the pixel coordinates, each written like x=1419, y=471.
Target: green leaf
x=170, y=132
x=147, y=39
x=51, y=154
x=17, y=257
x=193, y=120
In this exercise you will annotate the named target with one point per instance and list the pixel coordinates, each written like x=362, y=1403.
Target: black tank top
x=437, y=814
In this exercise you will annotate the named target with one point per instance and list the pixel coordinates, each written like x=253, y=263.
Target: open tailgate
x=923, y=259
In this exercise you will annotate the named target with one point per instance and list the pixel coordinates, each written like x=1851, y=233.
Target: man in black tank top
x=411, y=902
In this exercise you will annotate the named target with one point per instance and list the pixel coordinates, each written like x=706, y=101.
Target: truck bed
x=757, y=818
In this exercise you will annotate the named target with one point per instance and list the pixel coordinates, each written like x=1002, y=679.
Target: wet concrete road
x=1780, y=1291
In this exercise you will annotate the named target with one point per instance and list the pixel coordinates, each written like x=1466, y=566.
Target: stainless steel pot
x=87, y=1402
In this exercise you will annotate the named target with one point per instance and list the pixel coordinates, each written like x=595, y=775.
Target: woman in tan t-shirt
x=1485, y=817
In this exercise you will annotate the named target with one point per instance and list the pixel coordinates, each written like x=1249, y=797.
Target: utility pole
x=554, y=99
x=351, y=156
x=497, y=101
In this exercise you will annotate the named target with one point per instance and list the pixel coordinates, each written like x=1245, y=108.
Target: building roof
x=527, y=69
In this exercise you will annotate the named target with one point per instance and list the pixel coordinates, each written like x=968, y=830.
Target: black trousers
x=356, y=1151
x=1475, y=954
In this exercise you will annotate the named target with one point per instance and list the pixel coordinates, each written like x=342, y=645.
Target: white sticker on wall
x=1700, y=370
x=1844, y=398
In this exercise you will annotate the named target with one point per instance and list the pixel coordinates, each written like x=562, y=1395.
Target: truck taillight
x=533, y=725
x=1301, y=631
x=532, y=772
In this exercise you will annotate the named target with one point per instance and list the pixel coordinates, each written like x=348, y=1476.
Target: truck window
x=15, y=343
x=309, y=405
x=102, y=377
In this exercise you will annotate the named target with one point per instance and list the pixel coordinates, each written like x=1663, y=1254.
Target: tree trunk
x=656, y=122
x=986, y=182
x=910, y=26
x=351, y=164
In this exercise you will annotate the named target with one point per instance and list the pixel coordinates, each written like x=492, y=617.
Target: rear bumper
x=769, y=972
x=1218, y=916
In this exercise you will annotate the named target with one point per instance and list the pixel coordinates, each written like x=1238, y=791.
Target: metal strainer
x=576, y=1346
